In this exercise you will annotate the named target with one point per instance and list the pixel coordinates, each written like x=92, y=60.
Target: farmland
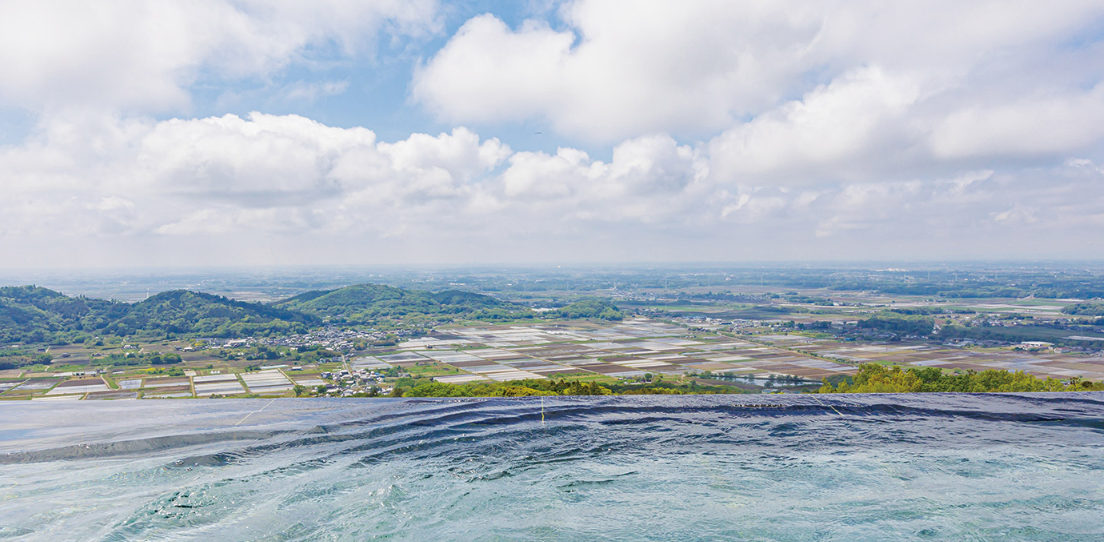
x=705, y=331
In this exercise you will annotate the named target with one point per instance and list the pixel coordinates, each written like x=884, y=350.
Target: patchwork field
x=584, y=350
x=631, y=348
x=1041, y=364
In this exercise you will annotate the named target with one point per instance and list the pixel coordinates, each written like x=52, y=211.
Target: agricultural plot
x=79, y=387
x=369, y=362
x=267, y=381
x=220, y=384
x=5, y=386
x=168, y=393
x=38, y=384
x=585, y=349
x=165, y=382
x=112, y=395
x=460, y=379
x=631, y=348
x=308, y=379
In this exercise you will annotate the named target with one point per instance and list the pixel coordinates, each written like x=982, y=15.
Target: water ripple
x=882, y=467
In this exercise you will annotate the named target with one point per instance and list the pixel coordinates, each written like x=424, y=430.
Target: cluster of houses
x=333, y=338
x=330, y=337
x=349, y=383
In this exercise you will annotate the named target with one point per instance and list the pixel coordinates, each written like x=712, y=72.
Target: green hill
x=181, y=311
x=372, y=303
x=30, y=314
x=590, y=308
x=33, y=315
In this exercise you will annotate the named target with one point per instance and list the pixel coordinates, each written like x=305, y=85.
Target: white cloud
x=293, y=185
x=264, y=173
x=1052, y=125
x=310, y=92
x=853, y=123
x=649, y=179
x=622, y=68
x=143, y=54
x=1018, y=213
x=635, y=69
x=735, y=131
x=1084, y=164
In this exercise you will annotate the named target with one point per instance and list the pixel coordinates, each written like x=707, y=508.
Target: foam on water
x=847, y=468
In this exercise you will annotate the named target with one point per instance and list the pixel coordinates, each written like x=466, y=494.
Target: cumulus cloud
x=263, y=173
x=288, y=181
x=710, y=130
x=649, y=179
x=858, y=120
x=622, y=68
x=1028, y=127
x=143, y=54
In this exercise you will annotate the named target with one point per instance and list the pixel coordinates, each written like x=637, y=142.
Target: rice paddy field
x=578, y=350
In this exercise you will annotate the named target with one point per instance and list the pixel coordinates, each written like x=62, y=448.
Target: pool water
x=832, y=467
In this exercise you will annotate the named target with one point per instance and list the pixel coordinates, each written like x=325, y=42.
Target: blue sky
x=242, y=132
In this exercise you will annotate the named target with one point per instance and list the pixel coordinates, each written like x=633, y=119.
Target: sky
x=172, y=133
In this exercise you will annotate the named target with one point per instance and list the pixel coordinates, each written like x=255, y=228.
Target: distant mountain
x=370, y=302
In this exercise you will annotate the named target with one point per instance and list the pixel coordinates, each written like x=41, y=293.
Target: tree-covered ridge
x=601, y=309
x=34, y=315
x=903, y=324
x=368, y=303
x=30, y=314
x=1085, y=309
x=875, y=378
x=181, y=311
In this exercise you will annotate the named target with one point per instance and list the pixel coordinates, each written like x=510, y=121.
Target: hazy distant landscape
x=481, y=332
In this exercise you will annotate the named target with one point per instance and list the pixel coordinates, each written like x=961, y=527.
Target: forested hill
x=30, y=314
x=365, y=303
x=33, y=315
x=181, y=311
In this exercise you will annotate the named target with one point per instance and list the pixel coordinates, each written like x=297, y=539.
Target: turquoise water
x=846, y=468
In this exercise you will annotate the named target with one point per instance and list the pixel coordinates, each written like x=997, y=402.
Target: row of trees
x=875, y=378
x=899, y=323
x=134, y=359
x=424, y=387
x=409, y=387
x=1085, y=309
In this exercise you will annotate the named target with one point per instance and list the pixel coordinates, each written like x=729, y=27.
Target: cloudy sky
x=259, y=132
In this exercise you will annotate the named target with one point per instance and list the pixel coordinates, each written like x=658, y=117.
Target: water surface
x=846, y=468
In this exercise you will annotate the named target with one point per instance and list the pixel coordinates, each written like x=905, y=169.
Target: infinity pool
x=847, y=468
